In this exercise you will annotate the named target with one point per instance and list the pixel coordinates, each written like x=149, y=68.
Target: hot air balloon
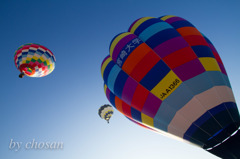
x=166, y=75
x=105, y=112
x=34, y=60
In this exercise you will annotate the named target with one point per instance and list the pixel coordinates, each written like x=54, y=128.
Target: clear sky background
x=63, y=106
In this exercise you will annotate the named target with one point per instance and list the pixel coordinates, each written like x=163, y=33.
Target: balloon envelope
x=166, y=75
x=34, y=60
x=105, y=112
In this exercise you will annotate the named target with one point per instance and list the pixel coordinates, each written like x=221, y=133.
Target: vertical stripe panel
x=139, y=97
x=129, y=90
x=112, y=77
x=120, y=83
x=118, y=104
x=151, y=105
x=147, y=120
x=136, y=114
x=126, y=109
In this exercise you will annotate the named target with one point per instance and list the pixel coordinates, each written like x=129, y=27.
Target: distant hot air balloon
x=105, y=112
x=164, y=74
x=34, y=60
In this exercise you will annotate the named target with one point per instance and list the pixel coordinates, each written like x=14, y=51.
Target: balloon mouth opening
x=226, y=143
x=27, y=70
x=222, y=136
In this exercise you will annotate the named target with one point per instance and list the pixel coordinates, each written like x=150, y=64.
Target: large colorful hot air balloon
x=164, y=74
x=34, y=60
x=105, y=112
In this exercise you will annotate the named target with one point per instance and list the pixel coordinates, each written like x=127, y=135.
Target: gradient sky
x=63, y=106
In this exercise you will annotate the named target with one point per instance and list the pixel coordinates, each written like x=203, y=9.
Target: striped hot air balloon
x=34, y=60
x=164, y=74
x=105, y=112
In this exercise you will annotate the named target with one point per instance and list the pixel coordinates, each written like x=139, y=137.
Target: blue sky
x=63, y=105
